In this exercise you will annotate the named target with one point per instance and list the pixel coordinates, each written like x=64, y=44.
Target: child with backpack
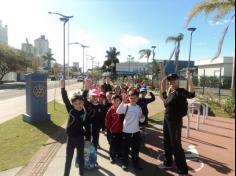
x=75, y=129
x=114, y=125
x=131, y=130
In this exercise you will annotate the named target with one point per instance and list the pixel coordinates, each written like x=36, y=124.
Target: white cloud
x=133, y=41
x=213, y=23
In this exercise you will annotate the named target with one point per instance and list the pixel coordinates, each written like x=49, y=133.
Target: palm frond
x=171, y=39
x=220, y=45
x=224, y=10
x=221, y=9
x=145, y=53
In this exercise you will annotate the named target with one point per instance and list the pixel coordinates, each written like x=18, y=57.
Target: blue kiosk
x=36, y=98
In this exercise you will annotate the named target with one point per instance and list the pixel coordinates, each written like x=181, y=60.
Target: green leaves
x=12, y=60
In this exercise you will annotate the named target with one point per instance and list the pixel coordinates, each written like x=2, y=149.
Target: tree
x=12, y=60
x=145, y=53
x=220, y=9
x=112, y=60
x=48, y=57
x=177, y=40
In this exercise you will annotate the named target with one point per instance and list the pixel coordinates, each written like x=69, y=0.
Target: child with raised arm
x=131, y=130
x=77, y=123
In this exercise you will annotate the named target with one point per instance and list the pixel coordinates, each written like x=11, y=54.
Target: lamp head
x=192, y=29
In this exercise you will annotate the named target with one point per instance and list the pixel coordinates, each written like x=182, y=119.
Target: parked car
x=80, y=79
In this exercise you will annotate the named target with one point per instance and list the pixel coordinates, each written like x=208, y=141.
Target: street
x=13, y=102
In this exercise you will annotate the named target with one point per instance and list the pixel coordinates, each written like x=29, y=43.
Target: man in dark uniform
x=175, y=101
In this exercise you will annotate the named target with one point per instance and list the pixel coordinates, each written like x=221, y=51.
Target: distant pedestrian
x=175, y=101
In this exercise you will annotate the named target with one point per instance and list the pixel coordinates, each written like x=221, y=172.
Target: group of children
x=118, y=110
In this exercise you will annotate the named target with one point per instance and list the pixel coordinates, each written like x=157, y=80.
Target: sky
x=128, y=25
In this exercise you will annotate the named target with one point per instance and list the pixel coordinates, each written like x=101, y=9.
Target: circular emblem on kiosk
x=39, y=91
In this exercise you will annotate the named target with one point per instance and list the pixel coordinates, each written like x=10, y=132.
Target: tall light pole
x=190, y=48
x=83, y=46
x=153, y=54
x=129, y=57
x=64, y=19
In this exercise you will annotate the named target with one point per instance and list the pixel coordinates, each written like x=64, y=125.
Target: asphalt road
x=11, y=93
x=12, y=107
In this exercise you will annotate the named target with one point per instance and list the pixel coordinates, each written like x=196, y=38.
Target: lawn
x=157, y=118
x=20, y=140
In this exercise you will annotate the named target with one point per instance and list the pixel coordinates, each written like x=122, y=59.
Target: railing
x=196, y=105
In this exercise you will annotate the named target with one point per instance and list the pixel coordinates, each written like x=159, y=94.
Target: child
x=114, y=126
x=75, y=131
x=131, y=130
x=96, y=117
x=143, y=102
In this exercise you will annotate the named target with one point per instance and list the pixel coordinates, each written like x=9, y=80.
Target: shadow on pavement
x=218, y=166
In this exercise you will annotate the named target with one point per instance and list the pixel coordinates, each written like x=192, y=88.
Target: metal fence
x=211, y=84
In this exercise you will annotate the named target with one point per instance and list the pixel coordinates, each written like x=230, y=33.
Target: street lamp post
x=83, y=46
x=190, y=49
x=153, y=54
x=64, y=19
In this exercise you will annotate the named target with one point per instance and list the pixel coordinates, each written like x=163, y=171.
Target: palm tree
x=112, y=60
x=145, y=53
x=221, y=10
x=48, y=57
x=177, y=40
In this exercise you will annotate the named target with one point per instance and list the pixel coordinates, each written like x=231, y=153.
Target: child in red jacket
x=114, y=125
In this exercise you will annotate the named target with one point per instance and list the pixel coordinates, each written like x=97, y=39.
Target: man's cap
x=172, y=76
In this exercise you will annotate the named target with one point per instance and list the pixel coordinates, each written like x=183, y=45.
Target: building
x=41, y=46
x=220, y=66
x=3, y=34
x=130, y=68
x=215, y=70
x=183, y=65
x=28, y=48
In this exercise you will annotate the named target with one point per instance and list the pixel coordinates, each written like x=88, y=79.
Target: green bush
x=229, y=105
x=195, y=81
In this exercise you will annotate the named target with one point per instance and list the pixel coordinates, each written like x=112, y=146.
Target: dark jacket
x=78, y=124
x=175, y=102
x=95, y=112
x=106, y=87
x=143, y=102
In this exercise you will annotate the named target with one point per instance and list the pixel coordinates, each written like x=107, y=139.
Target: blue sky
x=129, y=25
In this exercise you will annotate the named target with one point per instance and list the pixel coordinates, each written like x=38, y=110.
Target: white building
x=213, y=68
x=3, y=34
x=130, y=68
x=28, y=48
x=41, y=46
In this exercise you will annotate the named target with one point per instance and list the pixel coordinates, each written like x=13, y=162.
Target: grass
x=157, y=118
x=20, y=140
